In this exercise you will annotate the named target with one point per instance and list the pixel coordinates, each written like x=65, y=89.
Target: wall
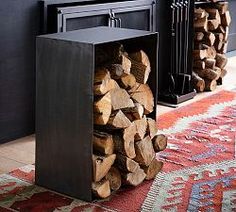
x=19, y=25
x=232, y=36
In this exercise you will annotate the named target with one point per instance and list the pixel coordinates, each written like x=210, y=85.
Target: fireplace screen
x=119, y=14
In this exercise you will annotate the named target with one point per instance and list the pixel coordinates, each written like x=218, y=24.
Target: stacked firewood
x=125, y=138
x=211, y=24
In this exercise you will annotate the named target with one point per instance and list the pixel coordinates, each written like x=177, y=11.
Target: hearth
x=65, y=117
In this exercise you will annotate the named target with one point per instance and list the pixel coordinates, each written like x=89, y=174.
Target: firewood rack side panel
x=64, y=103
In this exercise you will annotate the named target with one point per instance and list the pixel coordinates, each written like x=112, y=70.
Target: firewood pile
x=211, y=24
x=125, y=138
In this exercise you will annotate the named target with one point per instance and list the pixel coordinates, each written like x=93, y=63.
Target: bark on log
x=226, y=19
x=223, y=73
x=124, y=142
x=140, y=71
x=199, y=64
x=210, y=85
x=210, y=63
x=221, y=60
x=127, y=82
x=125, y=164
x=152, y=127
x=114, y=178
x=222, y=7
x=198, y=82
x=199, y=54
x=153, y=169
x=101, y=166
x=207, y=73
x=134, y=178
x=201, y=24
x=212, y=24
x=159, y=142
x=103, y=143
x=101, y=189
x=140, y=56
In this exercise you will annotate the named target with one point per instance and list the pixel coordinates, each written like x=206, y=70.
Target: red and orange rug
x=199, y=172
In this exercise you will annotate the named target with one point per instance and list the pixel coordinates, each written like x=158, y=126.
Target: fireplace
x=64, y=15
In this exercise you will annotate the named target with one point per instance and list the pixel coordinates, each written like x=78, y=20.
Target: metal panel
x=64, y=116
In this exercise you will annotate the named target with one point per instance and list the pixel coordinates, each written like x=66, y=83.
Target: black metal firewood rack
x=64, y=99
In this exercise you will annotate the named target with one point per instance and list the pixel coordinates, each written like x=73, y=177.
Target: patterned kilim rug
x=199, y=172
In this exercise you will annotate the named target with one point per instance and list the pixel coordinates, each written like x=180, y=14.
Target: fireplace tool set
x=175, y=87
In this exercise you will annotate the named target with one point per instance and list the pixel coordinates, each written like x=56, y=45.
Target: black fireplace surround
x=33, y=17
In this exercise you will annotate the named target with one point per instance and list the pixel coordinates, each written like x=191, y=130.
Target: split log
x=159, y=142
x=135, y=112
x=114, y=178
x=127, y=82
x=125, y=164
x=120, y=99
x=144, y=151
x=101, y=166
x=134, y=178
x=140, y=71
x=213, y=14
x=224, y=48
x=200, y=13
x=153, y=169
x=124, y=142
x=226, y=34
x=152, y=127
x=119, y=120
x=210, y=85
x=199, y=64
x=198, y=82
x=212, y=24
x=218, y=72
x=220, y=29
x=108, y=53
x=207, y=73
x=143, y=95
x=222, y=7
x=103, y=82
x=201, y=24
x=198, y=36
x=225, y=19
x=221, y=60
x=140, y=56
x=199, y=54
x=101, y=189
x=210, y=63
x=102, y=110
x=211, y=52
x=223, y=73
x=210, y=38
x=219, y=41
x=141, y=128
x=116, y=71
x=103, y=143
